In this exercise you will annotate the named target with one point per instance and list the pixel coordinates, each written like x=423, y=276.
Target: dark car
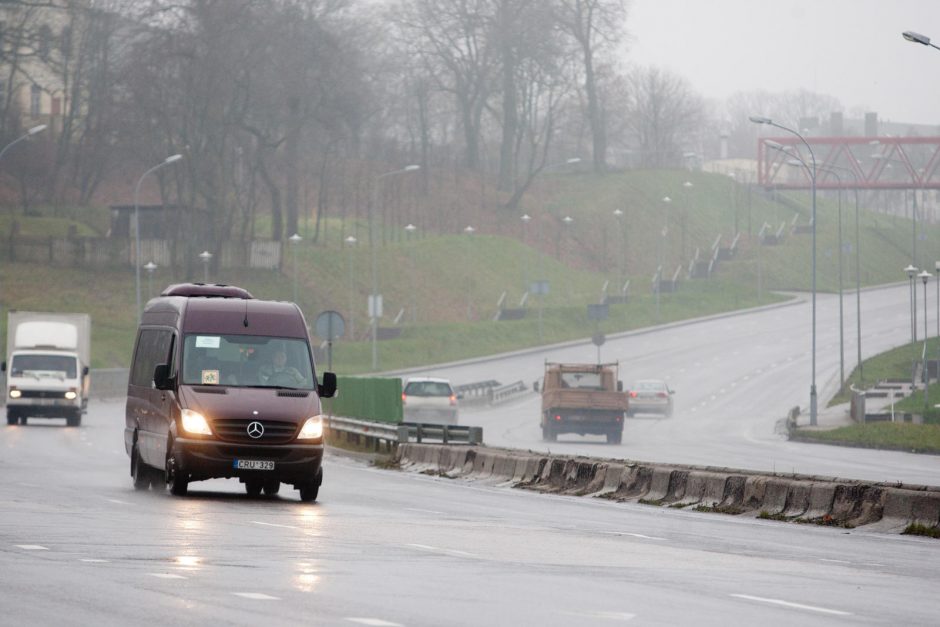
x=223, y=385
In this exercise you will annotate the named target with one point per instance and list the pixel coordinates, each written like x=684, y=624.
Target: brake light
x=632, y=394
x=662, y=395
x=404, y=398
x=453, y=399
x=558, y=418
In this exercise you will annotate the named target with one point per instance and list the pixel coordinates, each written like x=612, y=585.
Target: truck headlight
x=14, y=393
x=195, y=423
x=312, y=429
x=71, y=395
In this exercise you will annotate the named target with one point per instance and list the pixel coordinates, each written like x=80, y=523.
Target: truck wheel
x=614, y=437
x=12, y=417
x=548, y=434
x=175, y=478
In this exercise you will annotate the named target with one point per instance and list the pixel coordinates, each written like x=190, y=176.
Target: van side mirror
x=85, y=371
x=161, y=377
x=3, y=367
x=327, y=389
x=620, y=386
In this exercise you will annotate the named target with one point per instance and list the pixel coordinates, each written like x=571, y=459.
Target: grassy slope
x=445, y=271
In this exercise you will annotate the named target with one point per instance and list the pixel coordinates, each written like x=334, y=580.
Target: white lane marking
x=267, y=524
x=119, y=502
x=374, y=622
x=434, y=549
x=256, y=596
x=422, y=511
x=799, y=606
x=622, y=616
x=32, y=547
x=93, y=560
x=166, y=576
x=632, y=535
x=823, y=559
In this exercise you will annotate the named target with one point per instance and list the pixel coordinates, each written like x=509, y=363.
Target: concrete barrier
x=829, y=501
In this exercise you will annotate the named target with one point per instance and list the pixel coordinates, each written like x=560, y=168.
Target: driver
x=278, y=372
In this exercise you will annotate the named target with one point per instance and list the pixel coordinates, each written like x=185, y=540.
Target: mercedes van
x=224, y=385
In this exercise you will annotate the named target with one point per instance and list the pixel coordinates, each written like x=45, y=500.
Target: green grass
x=448, y=284
x=883, y=435
x=922, y=530
x=892, y=364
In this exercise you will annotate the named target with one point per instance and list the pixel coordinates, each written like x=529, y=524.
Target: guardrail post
x=404, y=434
x=444, y=434
x=475, y=435
x=418, y=433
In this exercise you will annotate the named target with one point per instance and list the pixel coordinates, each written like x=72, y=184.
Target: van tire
x=310, y=490
x=139, y=470
x=271, y=487
x=253, y=487
x=74, y=419
x=175, y=480
x=12, y=417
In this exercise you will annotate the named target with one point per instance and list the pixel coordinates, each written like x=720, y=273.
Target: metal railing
x=506, y=392
x=393, y=434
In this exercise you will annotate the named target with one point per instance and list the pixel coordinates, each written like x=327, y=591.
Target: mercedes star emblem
x=255, y=430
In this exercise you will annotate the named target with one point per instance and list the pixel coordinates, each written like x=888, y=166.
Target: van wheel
x=12, y=417
x=310, y=490
x=175, y=479
x=74, y=419
x=139, y=470
x=23, y=419
x=271, y=487
x=253, y=488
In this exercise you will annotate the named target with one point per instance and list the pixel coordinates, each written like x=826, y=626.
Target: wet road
x=79, y=546
x=735, y=378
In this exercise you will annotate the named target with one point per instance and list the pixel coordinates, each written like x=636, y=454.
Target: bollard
x=475, y=435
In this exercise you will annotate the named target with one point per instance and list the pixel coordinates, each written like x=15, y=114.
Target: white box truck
x=47, y=366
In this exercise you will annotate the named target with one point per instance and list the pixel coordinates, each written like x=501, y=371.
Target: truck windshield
x=584, y=380
x=62, y=366
x=246, y=361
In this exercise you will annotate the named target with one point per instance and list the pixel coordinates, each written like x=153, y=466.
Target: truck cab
x=586, y=399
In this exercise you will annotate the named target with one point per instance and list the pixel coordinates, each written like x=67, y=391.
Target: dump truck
x=583, y=399
x=46, y=366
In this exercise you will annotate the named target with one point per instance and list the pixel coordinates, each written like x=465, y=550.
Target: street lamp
x=662, y=245
x=206, y=256
x=622, y=261
x=374, y=308
x=917, y=38
x=911, y=273
x=684, y=214
x=469, y=230
x=409, y=231
x=350, y=243
x=24, y=136
x=812, y=390
x=150, y=267
x=295, y=239
x=925, y=276
x=526, y=218
x=167, y=161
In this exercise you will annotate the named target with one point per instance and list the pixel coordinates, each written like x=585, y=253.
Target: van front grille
x=236, y=430
x=41, y=394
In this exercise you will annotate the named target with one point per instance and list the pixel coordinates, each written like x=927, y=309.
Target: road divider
x=887, y=507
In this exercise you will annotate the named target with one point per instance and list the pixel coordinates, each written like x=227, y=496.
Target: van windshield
x=61, y=366
x=246, y=361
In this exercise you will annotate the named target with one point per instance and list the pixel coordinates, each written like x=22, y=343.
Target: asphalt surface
x=735, y=377
x=79, y=546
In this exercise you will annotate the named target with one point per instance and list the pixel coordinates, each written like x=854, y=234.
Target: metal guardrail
x=505, y=392
x=477, y=392
x=401, y=433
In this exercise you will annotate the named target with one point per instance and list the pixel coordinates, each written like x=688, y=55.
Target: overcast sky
x=849, y=49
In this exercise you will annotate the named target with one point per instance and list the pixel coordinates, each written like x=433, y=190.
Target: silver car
x=650, y=396
x=430, y=401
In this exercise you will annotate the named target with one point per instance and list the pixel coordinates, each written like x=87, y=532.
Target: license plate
x=253, y=464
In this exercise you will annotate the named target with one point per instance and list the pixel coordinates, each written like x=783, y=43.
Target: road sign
x=598, y=339
x=375, y=306
x=330, y=325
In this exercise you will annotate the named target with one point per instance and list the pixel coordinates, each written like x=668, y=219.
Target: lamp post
x=925, y=276
x=812, y=390
x=374, y=308
x=295, y=240
x=167, y=161
x=662, y=244
x=685, y=212
x=350, y=243
x=622, y=260
x=469, y=230
x=917, y=38
x=409, y=232
x=911, y=273
x=34, y=130
x=150, y=267
x=526, y=218
x=937, y=269
x=206, y=257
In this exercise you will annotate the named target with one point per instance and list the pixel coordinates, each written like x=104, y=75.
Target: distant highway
x=735, y=378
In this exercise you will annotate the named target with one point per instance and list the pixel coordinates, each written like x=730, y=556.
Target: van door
x=163, y=402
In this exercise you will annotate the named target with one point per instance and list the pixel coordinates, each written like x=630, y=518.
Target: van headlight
x=195, y=423
x=71, y=395
x=312, y=429
x=14, y=393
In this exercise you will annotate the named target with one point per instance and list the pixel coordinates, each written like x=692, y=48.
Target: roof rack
x=206, y=290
